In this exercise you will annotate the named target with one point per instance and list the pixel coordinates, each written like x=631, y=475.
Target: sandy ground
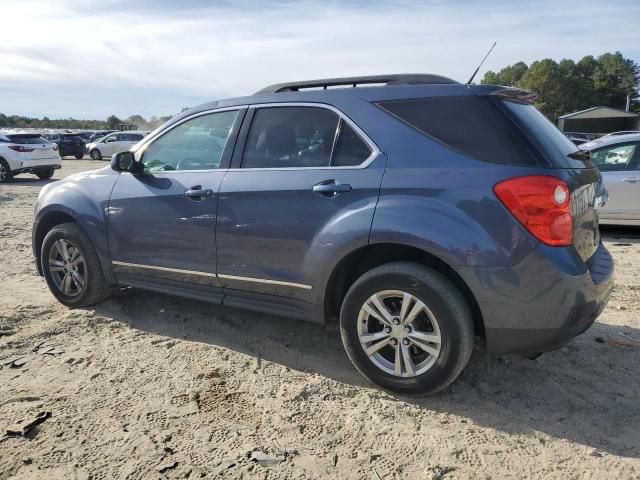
x=150, y=386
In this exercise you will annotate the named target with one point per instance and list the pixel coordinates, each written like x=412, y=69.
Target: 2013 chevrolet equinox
x=419, y=211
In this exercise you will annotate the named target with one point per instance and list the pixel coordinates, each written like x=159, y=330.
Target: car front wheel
x=407, y=328
x=95, y=154
x=71, y=267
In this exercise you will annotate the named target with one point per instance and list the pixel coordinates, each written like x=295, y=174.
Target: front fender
x=84, y=198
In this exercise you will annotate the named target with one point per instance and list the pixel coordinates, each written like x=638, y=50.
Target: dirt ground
x=150, y=386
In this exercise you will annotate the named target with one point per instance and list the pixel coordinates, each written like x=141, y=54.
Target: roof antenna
x=485, y=57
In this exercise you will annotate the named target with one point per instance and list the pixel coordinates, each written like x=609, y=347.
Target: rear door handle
x=198, y=193
x=331, y=188
x=631, y=179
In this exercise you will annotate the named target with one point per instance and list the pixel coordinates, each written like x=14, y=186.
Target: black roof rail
x=394, y=79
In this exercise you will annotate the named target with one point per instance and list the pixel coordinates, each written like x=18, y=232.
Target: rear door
x=620, y=167
x=306, y=179
x=162, y=221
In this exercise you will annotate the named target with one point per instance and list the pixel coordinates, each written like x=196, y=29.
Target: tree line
x=19, y=121
x=567, y=86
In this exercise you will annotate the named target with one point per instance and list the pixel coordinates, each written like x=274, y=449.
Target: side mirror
x=125, y=162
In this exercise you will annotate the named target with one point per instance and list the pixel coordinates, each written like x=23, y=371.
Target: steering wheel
x=190, y=163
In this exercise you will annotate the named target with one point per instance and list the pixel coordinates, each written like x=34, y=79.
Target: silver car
x=618, y=158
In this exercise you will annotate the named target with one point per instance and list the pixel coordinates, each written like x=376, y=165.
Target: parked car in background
x=622, y=132
x=419, y=213
x=579, y=138
x=84, y=135
x=98, y=135
x=114, y=143
x=69, y=144
x=27, y=153
x=618, y=158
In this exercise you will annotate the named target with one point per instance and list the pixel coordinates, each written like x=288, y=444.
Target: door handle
x=198, y=193
x=631, y=179
x=331, y=188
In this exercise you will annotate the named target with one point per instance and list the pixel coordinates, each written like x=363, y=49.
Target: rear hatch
x=72, y=142
x=565, y=160
x=31, y=146
x=500, y=125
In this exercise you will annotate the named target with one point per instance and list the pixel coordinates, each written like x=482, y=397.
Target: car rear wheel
x=45, y=174
x=5, y=171
x=71, y=267
x=79, y=156
x=407, y=328
x=95, y=154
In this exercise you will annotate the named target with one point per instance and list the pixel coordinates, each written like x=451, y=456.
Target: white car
x=114, y=143
x=27, y=153
x=618, y=158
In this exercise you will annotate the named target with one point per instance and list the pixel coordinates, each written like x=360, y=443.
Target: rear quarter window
x=474, y=126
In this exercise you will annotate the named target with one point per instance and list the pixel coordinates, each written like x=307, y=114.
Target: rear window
x=475, y=126
x=26, y=139
x=72, y=137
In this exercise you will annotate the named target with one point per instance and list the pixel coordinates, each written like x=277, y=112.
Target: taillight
x=20, y=148
x=542, y=204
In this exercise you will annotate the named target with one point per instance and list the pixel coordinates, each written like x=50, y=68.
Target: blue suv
x=420, y=213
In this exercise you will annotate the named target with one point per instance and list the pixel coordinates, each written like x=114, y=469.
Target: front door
x=162, y=221
x=620, y=167
x=306, y=180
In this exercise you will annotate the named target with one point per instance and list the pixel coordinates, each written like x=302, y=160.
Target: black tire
x=95, y=288
x=5, y=172
x=79, y=156
x=45, y=174
x=95, y=154
x=443, y=300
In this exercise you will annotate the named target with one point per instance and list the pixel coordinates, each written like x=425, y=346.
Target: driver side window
x=196, y=144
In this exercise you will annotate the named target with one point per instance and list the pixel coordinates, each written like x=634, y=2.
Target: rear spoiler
x=515, y=95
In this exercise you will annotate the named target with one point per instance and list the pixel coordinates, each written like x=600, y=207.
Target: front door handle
x=331, y=188
x=631, y=179
x=198, y=193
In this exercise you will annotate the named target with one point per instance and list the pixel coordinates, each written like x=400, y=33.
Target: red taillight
x=542, y=204
x=20, y=148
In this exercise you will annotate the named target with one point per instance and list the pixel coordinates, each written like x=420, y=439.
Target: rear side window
x=472, y=125
x=285, y=137
x=26, y=139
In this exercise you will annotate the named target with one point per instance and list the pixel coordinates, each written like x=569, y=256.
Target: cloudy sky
x=90, y=59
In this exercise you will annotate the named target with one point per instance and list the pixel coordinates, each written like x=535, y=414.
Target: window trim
x=233, y=135
x=375, y=151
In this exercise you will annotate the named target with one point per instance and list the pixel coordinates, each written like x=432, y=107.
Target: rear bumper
x=542, y=303
x=36, y=168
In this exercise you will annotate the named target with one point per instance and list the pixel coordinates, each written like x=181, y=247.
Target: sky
x=90, y=59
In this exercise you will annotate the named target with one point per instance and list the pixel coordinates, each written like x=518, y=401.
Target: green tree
x=112, y=121
x=565, y=86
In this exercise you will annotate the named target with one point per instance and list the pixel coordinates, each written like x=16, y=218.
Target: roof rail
x=394, y=79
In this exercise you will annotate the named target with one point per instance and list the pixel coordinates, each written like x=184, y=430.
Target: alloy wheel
x=399, y=333
x=3, y=173
x=67, y=267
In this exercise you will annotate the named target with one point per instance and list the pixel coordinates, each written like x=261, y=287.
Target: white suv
x=114, y=143
x=27, y=153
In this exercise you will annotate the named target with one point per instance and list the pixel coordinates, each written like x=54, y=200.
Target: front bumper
x=542, y=303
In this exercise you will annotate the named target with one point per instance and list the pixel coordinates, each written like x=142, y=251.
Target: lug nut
x=394, y=341
x=405, y=341
x=396, y=321
x=387, y=329
x=407, y=329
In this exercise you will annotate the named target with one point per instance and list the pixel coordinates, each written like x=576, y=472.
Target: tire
x=45, y=174
x=94, y=287
x=79, y=156
x=446, y=319
x=95, y=154
x=5, y=171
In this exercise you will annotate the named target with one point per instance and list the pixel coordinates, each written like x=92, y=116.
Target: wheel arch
x=363, y=259
x=43, y=226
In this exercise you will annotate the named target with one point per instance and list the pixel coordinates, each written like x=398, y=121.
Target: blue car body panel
x=270, y=225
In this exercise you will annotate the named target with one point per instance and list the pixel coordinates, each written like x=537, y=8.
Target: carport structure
x=599, y=120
